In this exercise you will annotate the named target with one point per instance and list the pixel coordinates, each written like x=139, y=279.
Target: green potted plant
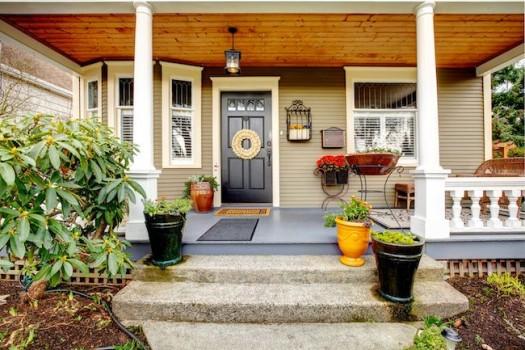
x=353, y=230
x=165, y=221
x=397, y=256
x=201, y=189
x=374, y=161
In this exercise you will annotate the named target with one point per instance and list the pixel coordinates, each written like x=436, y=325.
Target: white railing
x=476, y=204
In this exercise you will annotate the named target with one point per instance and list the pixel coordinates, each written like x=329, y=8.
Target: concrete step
x=273, y=269
x=280, y=303
x=212, y=336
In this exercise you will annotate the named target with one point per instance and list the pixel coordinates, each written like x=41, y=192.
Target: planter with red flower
x=334, y=170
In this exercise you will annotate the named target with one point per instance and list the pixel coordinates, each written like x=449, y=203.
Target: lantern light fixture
x=233, y=57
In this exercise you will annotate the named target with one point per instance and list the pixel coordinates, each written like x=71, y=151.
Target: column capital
x=425, y=8
x=143, y=6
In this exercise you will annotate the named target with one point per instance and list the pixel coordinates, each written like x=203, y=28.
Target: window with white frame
x=385, y=116
x=125, y=108
x=181, y=122
x=92, y=99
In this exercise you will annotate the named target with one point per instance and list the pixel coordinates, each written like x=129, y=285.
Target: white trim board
x=501, y=61
x=220, y=84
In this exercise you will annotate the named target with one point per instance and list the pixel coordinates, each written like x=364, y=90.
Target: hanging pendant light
x=233, y=57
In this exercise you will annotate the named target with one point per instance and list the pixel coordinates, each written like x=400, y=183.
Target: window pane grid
x=125, y=88
x=181, y=94
x=385, y=129
x=92, y=95
x=385, y=95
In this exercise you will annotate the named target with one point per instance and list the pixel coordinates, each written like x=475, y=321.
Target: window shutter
x=126, y=124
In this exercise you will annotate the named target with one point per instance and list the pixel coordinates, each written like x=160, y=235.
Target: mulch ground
x=493, y=319
x=58, y=320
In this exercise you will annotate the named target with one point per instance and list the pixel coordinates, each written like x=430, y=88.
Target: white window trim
x=116, y=70
x=193, y=74
x=118, y=107
x=380, y=75
x=92, y=72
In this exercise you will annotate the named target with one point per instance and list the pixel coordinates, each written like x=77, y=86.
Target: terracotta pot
x=202, y=196
x=352, y=238
x=372, y=163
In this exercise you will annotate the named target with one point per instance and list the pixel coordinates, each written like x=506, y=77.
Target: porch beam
x=501, y=61
x=142, y=169
x=14, y=36
x=257, y=6
x=429, y=177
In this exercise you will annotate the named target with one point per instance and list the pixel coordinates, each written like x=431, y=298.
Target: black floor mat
x=231, y=230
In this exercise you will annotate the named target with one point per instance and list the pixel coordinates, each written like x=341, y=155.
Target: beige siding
x=460, y=120
x=323, y=89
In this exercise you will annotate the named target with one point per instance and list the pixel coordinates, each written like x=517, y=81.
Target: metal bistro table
x=361, y=169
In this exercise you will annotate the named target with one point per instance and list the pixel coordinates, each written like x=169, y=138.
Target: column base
x=429, y=220
x=135, y=228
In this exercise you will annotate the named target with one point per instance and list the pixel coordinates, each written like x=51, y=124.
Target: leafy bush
x=507, y=284
x=63, y=191
x=212, y=180
x=430, y=338
x=395, y=237
x=356, y=211
x=517, y=152
x=165, y=207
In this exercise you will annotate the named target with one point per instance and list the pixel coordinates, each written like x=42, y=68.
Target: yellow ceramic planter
x=352, y=238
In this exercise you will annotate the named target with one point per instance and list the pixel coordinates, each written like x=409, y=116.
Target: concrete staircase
x=278, y=302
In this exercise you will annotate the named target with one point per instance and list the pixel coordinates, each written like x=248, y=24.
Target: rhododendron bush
x=63, y=191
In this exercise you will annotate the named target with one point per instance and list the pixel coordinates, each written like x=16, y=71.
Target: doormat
x=231, y=230
x=243, y=212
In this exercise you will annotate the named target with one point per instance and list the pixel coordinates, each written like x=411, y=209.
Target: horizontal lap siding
x=461, y=133
x=323, y=89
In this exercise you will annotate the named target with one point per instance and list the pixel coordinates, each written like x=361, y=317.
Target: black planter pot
x=165, y=237
x=396, y=267
x=330, y=178
x=342, y=177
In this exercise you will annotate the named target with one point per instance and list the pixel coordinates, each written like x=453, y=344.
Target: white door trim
x=220, y=84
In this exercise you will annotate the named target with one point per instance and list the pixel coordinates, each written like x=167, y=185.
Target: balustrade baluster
x=494, y=220
x=475, y=220
x=457, y=220
x=514, y=219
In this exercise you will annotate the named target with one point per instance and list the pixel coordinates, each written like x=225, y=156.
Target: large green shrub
x=63, y=191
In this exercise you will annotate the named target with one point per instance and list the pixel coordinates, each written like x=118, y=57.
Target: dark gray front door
x=246, y=181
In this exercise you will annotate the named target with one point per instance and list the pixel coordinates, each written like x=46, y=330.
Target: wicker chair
x=504, y=167
x=501, y=167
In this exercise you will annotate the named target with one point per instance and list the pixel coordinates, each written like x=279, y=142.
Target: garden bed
x=58, y=320
x=493, y=319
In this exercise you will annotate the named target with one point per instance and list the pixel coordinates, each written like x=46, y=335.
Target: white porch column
x=142, y=169
x=429, y=178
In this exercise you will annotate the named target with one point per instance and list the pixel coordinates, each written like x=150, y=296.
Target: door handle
x=269, y=152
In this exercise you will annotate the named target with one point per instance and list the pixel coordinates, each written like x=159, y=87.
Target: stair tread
x=325, y=302
x=363, y=336
x=274, y=269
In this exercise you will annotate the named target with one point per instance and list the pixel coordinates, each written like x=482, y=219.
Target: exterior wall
x=31, y=85
x=323, y=89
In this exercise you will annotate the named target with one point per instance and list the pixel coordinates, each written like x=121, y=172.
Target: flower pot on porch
x=330, y=178
x=396, y=266
x=202, y=196
x=372, y=163
x=352, y=239
x=165, y=237
x=342, y=177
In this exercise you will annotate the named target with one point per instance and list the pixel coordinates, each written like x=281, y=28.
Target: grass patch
x=507, y=284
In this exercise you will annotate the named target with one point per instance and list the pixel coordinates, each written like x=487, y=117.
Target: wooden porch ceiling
x=285, y=40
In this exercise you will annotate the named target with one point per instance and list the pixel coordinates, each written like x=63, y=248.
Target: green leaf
x=36, y=150
x=7, y=173
x=70, y=148
x=39, y=219
x=51, y=199
x=5, y=264
x=9, y=211
x=99, y=260
x=56, y=267
x=112, y=264
x=4, y=238
x=23, y=229
x=68, y=270
x=96, y=170
x=79, y=265
x=54, y=157
x=17, y=247
x=138, y=188
x=67, y=196
x=122, y=193
x=28, y=160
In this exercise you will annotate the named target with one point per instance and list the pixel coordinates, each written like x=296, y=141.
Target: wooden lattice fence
x=483, y=267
